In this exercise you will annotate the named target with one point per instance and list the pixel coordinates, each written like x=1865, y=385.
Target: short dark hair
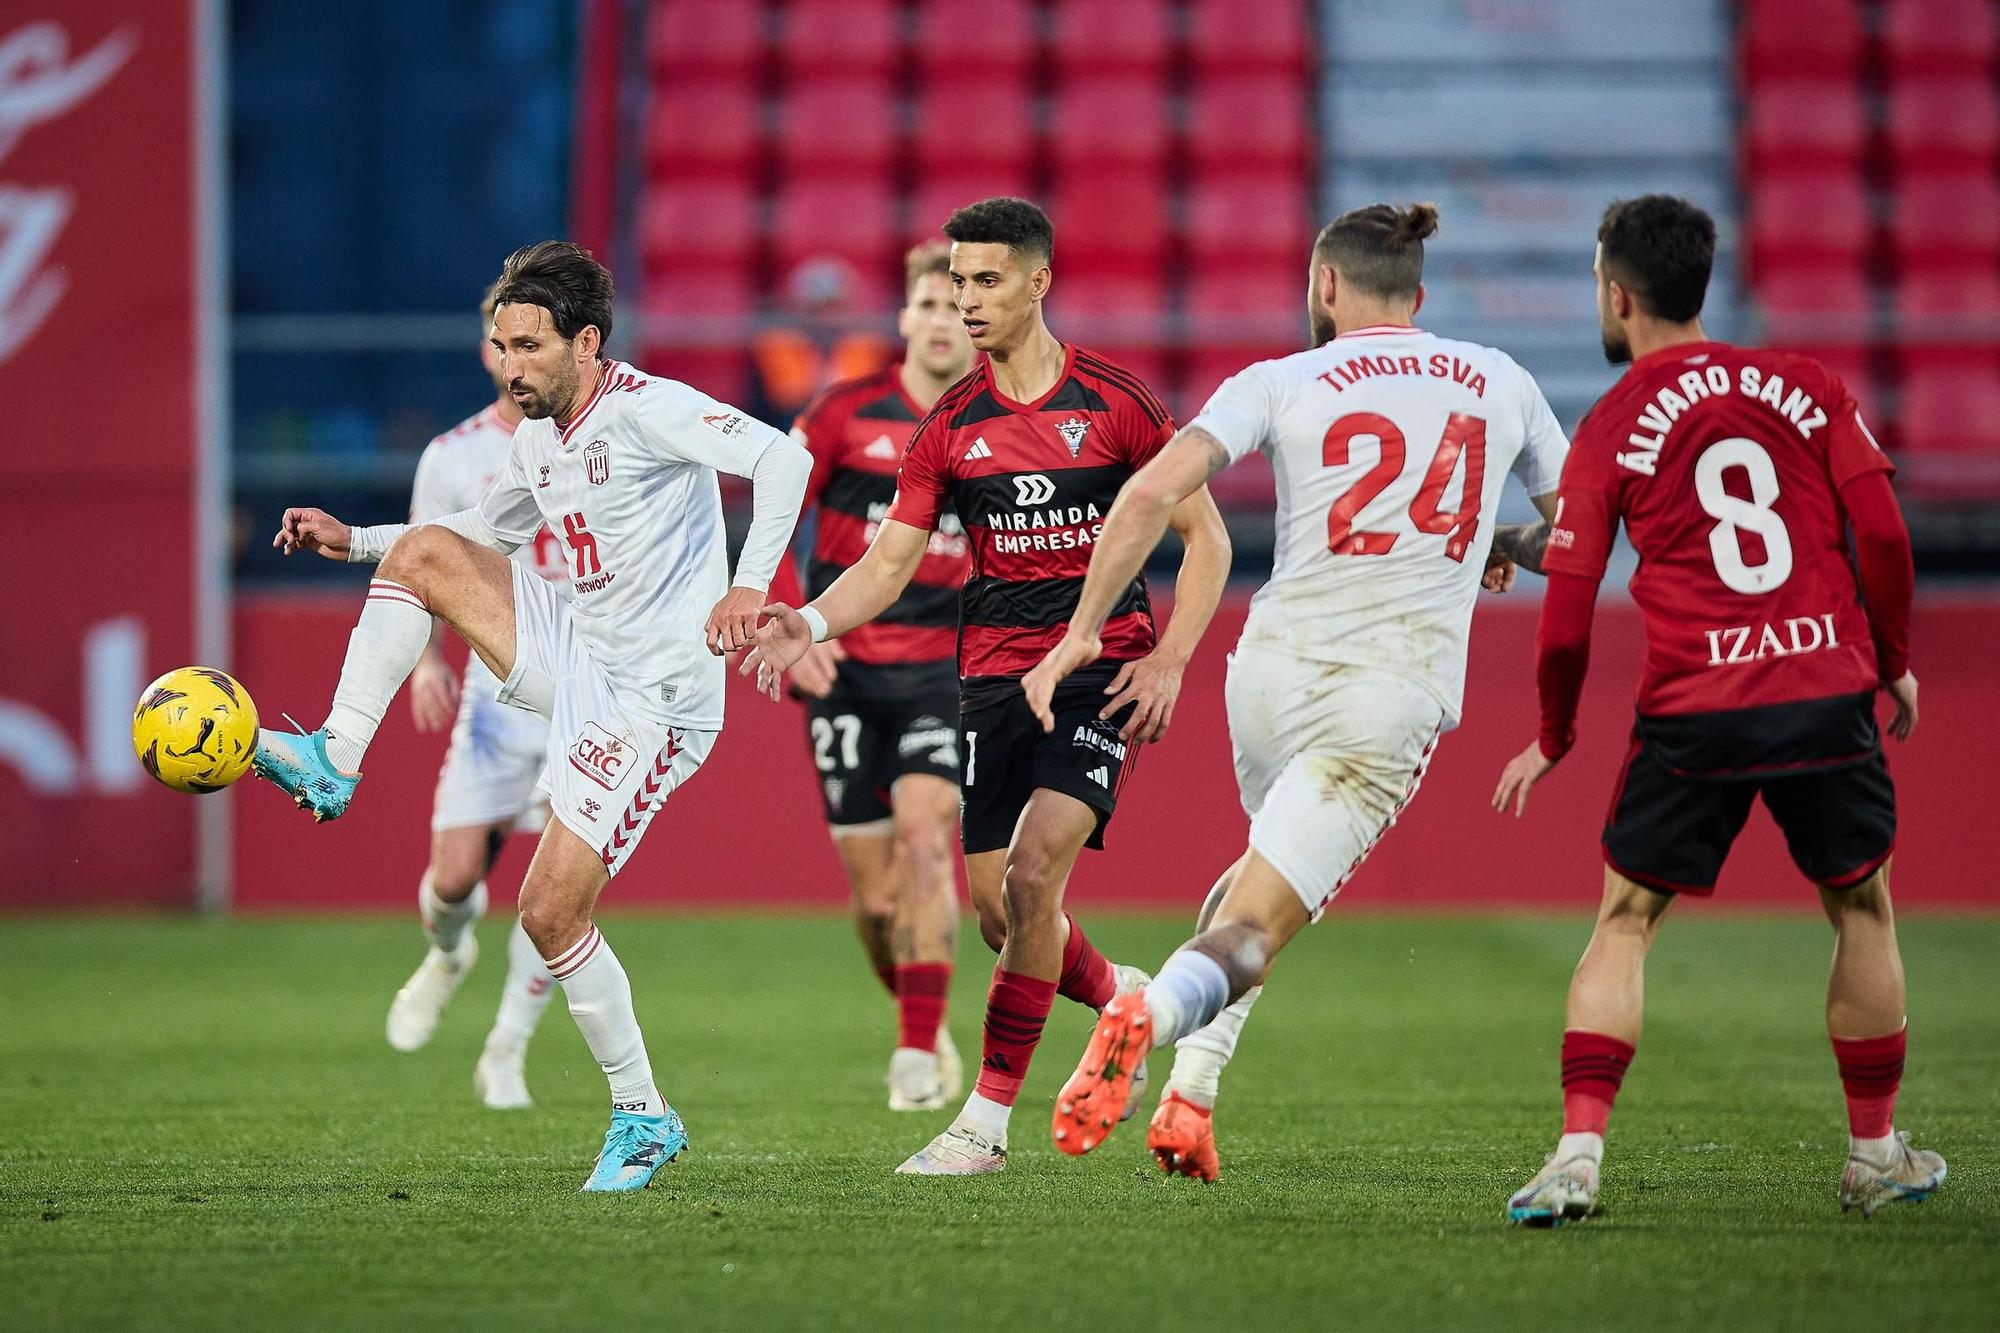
x=562, y=278
x=1659, y=248
x=1015, y=223
x=922, y=261
x=1379, y=248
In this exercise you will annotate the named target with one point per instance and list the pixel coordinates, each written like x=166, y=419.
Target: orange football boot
x=1091, y=1103
x=1182, y=1139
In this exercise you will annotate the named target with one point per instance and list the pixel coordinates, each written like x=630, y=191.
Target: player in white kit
x=624, y=660
x=1390, y=448
x=488, y=786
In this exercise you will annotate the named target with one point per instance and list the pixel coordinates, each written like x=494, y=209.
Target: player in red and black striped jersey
x=1030, y=448
x=882, y=700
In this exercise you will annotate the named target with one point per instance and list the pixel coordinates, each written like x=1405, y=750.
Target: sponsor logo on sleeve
x=724, y=423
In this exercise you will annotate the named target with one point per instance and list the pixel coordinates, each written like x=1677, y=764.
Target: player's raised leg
x=429, y=571
x=1181, y=1136
x=1606, y=1012
x=451, y=901
x=1866, y=1023
x=924, y=1070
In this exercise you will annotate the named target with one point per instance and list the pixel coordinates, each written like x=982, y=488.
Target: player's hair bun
x=1412, y=224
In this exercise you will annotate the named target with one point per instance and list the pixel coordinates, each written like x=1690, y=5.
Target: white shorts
x=609, y=767
x=1326, y=756
x=492, y=769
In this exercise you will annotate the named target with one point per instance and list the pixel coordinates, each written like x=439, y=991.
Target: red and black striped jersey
x=857, y=431
x=1032, y=483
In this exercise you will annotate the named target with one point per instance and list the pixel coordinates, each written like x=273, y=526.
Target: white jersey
x=454, y=470
x=629, y=489
x=1390, y=448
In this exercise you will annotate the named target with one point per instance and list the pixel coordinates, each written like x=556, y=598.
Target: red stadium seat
x=1111, y=221
x=1952, y=409
x=999, y=133
x=1804, y=302
x=1001, y=32
x=1794, y=125
x=1095, y=37
x=845, y=37
x=1109, y=299
x=1936, y=123
x=705, y=128
x=1924, y=37
x=840, y=217
x=1946, y=220
x=1251, y=221
x=1947, y=317
x=700, y=222
x=1111, y=121
x=938, y=197
x=1814, y=218
x=720, y=372
x=1782, y=38
x=695, y=37
x=1251, y=36
x=1229, y=309
x=830, y=127
x=707, y=290
x=1260, y=122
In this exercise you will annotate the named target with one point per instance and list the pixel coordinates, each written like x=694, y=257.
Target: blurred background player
x=882, y=701
x=1029, y=448
x=1391, y=447
x=487, y=786
x=1737, y=473
x=625, y=662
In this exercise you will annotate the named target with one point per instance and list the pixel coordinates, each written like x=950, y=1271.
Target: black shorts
x=1008, y=755
x=1818, y=766
x=879, y=724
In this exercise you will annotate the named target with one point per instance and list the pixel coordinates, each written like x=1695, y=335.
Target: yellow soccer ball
x=195, y=729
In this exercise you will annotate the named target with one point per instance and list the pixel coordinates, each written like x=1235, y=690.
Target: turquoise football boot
x=635, y=1148
x=298, y=763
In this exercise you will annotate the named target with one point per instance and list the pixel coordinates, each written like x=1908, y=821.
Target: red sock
x=1087, y=977
x=887, y=972
x=1016, y=1008
x=920, y=997
x=1593, y=1066
x=1871, y=1070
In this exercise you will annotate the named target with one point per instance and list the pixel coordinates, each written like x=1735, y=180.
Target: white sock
x=446, y=923
x=381, y=653
x=523, y=998
x=1876, y=1152
x=600, y=1000
x=1202, y=1055
x=1186, y=994
x=1580, y=1145
x=988, y=1117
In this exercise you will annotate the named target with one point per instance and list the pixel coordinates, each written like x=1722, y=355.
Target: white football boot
x=1911, y=1175
x=962, y=1150
x=500, y=1078
x=414, y=1014
x=1131, y=979
x=916, y=1082
x=1562, y=1191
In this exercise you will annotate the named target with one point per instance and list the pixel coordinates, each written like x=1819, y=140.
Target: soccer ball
x=195, y=729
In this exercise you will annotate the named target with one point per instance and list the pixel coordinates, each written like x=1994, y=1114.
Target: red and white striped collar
x=605, y=369
x=1380, y=331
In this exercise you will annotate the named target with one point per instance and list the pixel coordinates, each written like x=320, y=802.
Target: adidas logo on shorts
x=1101, y=775
x=979, y=449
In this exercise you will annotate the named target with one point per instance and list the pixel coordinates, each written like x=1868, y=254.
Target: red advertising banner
x=101, y=352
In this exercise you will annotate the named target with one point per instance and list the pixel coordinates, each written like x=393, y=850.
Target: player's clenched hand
x=312, y=530
x=781, y=640
x=1499, y=575
x=732, y=625
x=1523, y=771
x=433, y=694
x=1903, y=693
x=1151, y=685
x=1040, y=684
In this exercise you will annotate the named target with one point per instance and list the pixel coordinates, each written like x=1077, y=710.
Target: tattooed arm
x=1522, y=544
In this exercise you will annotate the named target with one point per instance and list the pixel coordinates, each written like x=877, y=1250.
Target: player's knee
x=923, y=846
x=1033, y=888
x=992, y=924
x=1867, y=901
x=553, y=926
x=419, y=555
x=453, y=878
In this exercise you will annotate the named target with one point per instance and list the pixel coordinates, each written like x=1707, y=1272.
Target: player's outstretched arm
x=869, y=587
x=777, y=492
x=313, y=530
x=1562, y=658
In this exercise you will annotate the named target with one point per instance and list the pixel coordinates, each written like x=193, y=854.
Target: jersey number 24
x=1464, y=437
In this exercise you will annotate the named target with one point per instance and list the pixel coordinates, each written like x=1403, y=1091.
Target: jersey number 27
x=1464, y=436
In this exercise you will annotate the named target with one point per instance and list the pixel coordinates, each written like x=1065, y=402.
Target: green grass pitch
x=202, y=1127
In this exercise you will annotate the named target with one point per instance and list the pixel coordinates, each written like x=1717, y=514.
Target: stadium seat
x=1783, y=38
x=1951, y=408
x=1934, y=123
x=1947, y=317
x=839, y=37
x=708, y=41
x=851, y=219
x=1793, y=125
x=1251, y=36
x=1092, y=38
x=1248, y=221
x=1098, y=122
x=1823, y=305
x=700, y=222
x=1112, y=221
x=1108, y=299
x=706, y=127
x=720, y=372
x=1001, y=31
x=1820, y=217
x=1945, y=220
x=1927, y=37
x=706, y=290
x=1000, y=136
x=1229, y=309
x=831, y=127
x=938, y=196
x=1264, y=121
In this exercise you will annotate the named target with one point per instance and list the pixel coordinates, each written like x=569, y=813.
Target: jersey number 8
x=1736, y=516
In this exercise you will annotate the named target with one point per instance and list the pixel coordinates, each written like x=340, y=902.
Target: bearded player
x=1029, y=448
x=1390, y=447
x=1737, y=474
x=882, y=700
x=625, y=663
x=487, y=787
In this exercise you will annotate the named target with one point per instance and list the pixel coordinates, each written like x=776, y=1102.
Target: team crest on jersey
x=597, y=462
x=1072, y=432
